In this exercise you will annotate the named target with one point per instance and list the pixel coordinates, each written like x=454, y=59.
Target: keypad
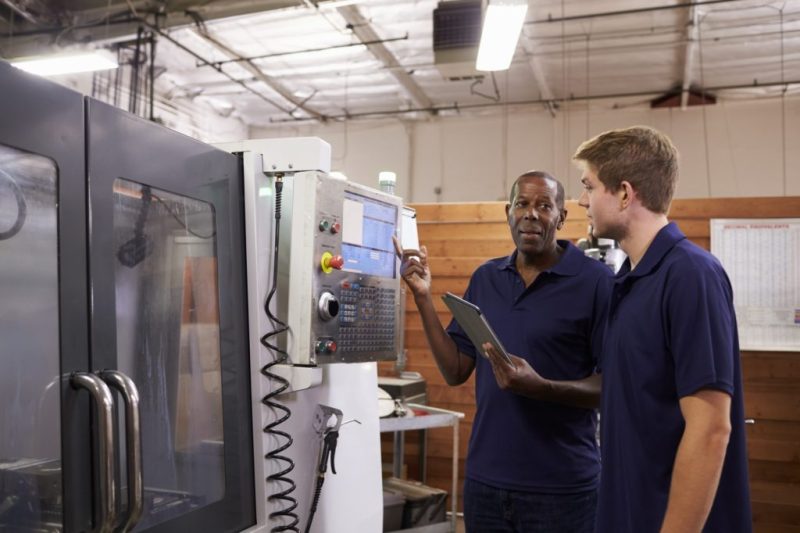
x=366, y=319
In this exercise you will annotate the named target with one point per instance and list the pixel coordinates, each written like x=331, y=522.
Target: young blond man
x=672, y=433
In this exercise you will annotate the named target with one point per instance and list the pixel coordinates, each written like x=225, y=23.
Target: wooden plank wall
x=459, y=237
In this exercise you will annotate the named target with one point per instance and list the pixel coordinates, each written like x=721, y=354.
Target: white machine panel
x=337, y=290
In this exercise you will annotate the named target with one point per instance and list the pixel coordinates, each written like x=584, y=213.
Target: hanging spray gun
x=327, y=421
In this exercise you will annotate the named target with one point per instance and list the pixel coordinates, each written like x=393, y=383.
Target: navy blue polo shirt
x=556, y=324
x=671, y=332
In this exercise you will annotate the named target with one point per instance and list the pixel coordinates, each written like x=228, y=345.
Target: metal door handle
x=104, y=401
x=133, y=443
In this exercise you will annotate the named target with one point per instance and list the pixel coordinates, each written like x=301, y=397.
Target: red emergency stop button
x=328, y=262
x=336, y=228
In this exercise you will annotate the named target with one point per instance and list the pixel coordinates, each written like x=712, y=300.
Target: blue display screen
x=367, y=229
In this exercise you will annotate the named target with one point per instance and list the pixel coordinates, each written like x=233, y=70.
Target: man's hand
x=520, y=378
x=414, y=269
x=454, y=366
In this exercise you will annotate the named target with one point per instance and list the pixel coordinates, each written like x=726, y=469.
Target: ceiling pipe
x=206, y=62
x=539, y=76
x=570, y=18
x=258, y=74
x=688, y=59
x=268, y=80
x=21, y=12
x=307, y=50
x=90, y=25
x=457, y=107
x=55, y=30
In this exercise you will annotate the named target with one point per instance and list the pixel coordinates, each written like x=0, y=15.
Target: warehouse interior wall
x=730, y=149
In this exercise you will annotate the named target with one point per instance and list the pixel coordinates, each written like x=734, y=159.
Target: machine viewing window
x=367, y=229
x=168, y=341
x=30, y=382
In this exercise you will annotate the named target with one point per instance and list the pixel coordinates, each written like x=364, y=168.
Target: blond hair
x=642, y=156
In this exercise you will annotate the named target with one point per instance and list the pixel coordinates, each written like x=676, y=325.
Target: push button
x=328, y=262
x=325, y=346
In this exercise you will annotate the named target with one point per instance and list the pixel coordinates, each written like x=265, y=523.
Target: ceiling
x=319, y=69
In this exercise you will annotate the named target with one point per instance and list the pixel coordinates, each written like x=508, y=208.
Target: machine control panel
x=344, y=245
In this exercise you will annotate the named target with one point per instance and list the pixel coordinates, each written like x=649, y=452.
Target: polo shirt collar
x=666, y=238
x=569, y=264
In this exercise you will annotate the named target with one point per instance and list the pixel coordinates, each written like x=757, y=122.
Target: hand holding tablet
x=472, y=321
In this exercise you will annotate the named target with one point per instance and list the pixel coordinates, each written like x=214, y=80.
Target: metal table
x=435, y=418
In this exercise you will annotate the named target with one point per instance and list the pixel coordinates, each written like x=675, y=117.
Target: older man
x=532, y=464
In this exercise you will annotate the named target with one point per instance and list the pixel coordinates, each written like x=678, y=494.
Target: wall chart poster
x=762, y=259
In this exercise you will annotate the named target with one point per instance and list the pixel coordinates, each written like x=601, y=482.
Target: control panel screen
x=367, y=229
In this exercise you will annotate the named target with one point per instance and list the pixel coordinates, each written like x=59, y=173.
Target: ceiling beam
x=260, y=75
x=209, y=10
x=625, y=12
x=115, y=21
x=538, y=74
x=21, y=11
x=692, y=20
x=194, y=54
x=366, y=33
x=778, y=86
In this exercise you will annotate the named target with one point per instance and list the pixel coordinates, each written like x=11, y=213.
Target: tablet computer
x=472, y=321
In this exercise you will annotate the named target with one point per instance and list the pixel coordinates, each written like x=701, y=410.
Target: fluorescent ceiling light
x=502, y=25
x=53, y=65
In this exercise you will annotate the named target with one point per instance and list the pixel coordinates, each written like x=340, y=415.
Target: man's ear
x=508, y=209
x=626, y=194
x=562, y=220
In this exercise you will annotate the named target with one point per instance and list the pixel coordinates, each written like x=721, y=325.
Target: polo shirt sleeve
x=602, y=298
x=458, y=335
x=701, y=327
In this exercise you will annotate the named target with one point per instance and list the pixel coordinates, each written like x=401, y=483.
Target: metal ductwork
x=456, y=37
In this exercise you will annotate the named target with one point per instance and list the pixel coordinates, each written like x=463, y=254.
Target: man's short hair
x=539, y=174
x=642, y=156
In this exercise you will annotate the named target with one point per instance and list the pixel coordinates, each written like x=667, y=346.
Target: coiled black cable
x=281, y=356
x=22, y=207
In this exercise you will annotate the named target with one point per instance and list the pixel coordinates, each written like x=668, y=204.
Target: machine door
x=168, y=313
x=45, y=439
